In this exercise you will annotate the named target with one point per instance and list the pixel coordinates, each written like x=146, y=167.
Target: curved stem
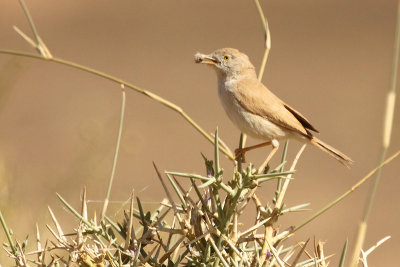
x=153, y=96
x=114, y=166
x=267, y=36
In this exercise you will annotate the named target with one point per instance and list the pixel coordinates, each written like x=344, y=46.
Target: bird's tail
x=342, y=158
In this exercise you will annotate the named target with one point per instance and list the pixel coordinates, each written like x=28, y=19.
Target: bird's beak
x=205, y=59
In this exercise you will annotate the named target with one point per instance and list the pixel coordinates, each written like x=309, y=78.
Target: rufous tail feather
x=342, y=158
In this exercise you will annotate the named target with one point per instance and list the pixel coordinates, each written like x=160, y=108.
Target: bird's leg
x=242, y=151
x=275, y=146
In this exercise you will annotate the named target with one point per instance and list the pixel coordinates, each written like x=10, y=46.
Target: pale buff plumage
x=254, y=109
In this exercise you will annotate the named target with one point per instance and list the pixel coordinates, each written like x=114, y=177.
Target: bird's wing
x=303, y=120
x=256, y=98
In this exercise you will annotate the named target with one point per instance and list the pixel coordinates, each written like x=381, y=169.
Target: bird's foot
x=239, y=152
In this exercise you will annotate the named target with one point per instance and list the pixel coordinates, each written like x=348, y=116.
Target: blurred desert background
x=331, y=60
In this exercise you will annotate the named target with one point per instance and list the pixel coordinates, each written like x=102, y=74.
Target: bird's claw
x=240, y=153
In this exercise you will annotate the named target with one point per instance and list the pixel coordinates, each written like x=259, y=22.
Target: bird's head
x=227, y=61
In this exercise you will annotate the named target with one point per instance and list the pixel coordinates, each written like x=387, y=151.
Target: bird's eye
x=226, y=58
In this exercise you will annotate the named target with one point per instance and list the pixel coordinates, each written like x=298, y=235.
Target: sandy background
x=330, y=59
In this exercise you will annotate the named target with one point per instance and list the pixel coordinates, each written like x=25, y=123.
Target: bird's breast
x=247, y=122
x=226, y=93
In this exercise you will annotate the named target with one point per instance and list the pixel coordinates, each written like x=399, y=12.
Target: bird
x=255, y=110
